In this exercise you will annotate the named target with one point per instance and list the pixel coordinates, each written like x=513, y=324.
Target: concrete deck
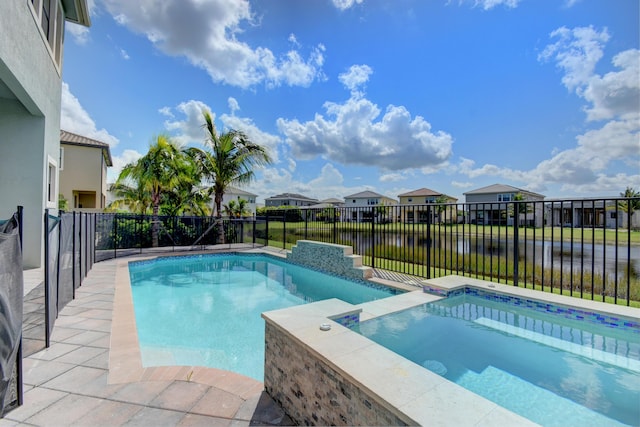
x=74, y=382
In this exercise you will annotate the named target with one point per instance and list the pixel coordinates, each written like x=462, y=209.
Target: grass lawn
x=556, y=234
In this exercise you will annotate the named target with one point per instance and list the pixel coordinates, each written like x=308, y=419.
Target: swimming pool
x=204, y=310
x=551, y=364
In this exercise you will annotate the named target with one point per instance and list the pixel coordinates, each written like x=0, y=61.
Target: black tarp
x=51, y=273
x=65, y=273
x=11, y=296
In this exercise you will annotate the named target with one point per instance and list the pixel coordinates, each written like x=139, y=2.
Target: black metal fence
x=583, y=248
x=69, y=253
x=118, y=235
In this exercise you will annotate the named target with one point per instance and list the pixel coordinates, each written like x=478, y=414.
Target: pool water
x=552, y=370
x=205, y=310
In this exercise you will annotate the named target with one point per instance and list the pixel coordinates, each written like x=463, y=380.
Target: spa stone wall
x=337, y=259
x=312, y=392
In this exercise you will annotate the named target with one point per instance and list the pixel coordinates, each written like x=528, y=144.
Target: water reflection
x=567, y=256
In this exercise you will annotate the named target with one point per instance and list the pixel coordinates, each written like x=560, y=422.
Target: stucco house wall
x=30, y=96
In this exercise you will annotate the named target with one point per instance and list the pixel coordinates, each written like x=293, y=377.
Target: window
x=49, y=15
x=372, y=202
x=409, y=200
x=429, y=200
x=58, y=35
x=505, y=197
x=614, y=215
x=61, y=159
x=52, y=177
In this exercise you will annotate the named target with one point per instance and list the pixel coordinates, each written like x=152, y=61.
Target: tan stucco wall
x=85, y=171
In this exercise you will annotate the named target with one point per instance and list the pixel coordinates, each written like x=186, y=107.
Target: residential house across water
x=370, y=206
x=415, y=207
x=289, y=199
x=493, y=205
x=236, y=194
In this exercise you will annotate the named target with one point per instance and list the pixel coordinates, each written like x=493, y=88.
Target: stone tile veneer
x=313, y=393
x=337, y=259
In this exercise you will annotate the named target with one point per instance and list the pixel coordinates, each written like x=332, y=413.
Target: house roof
x=421, y=192
x=318, y=206
x=75, y=139
x=365, y=195
x=500, y=188
x=332, y=201
x=239, y=192
x=289, y=196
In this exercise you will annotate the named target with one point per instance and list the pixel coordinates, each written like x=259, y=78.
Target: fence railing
x=588, y=248
x=584, y=248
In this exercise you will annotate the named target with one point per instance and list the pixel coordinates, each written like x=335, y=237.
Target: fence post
x=373, y=238
x=19, y=376
x=516, y=241
x=253, y=233
x=428, y=241
x=73, y=256
x=266, y=229
x=46, y=278
x=335, y=226
x=284, y=229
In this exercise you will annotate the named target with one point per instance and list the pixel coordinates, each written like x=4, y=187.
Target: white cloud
x=596, y=164
x=329, y=183
x=354, y=133
x=292, y=164
x=346, y=4
x=355, y=78
x=392, y=177
x=190, y=130
x=490, y=4
x=79, y=33
x=233, y=105
x=127, y=156
x=459, y=184
x=255, y=134
x=207, y=33
x=618, y=92
x=74, y=118
x=576, y=52
x=124, y=54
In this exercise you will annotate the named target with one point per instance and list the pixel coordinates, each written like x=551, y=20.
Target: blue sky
x=387, y=96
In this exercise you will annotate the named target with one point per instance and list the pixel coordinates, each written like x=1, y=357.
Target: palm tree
x=133, y=198
x=441, y=206
x=154, y=174
x=236, y=210
x=229, y=159
x=631, y=204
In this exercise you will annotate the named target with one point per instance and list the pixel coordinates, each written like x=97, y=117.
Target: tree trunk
x=219, y=225
x=155, y=226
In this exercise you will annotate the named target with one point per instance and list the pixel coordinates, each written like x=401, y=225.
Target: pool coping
x=125, y=360
x=406, y=389
x=425, y=399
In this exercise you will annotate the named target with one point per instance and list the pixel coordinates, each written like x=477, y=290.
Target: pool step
x=338, y=259
x=535, y=403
